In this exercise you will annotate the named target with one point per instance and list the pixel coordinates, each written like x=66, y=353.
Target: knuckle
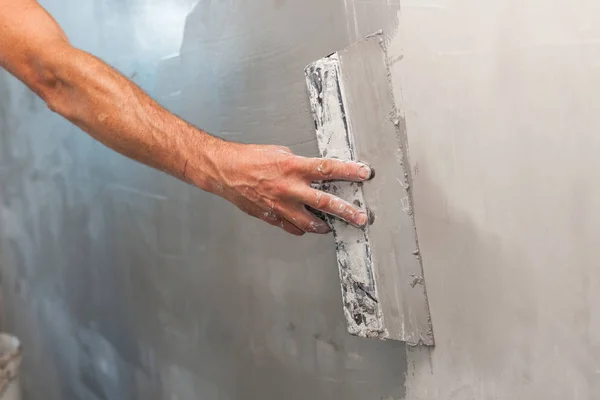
x=350, y=215
x=281, y=191
x=274, y=221
x=275, y=189
x=348, y=210
x=313, y=227
x=337, y=206
x=288, y=164
x=326, y=167
x=342, y=209
x=269, y=215
x=322, y=200
x=306, y=226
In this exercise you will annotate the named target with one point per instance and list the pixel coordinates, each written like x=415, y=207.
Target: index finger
x=330, y=169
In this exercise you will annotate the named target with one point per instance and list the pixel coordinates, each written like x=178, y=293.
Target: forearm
x=268, y=182
x=119, y=114
x=97, y=98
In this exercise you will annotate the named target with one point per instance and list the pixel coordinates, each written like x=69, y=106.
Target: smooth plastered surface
x=125, y=284
x=379, y=138
x=500, y=100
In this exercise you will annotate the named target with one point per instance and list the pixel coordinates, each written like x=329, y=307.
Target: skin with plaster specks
x=267, y=182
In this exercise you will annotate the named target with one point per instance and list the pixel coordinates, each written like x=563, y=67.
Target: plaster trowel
x=381, y=275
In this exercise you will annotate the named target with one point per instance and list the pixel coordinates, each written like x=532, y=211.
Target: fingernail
x=361, y=219
x=364, y=172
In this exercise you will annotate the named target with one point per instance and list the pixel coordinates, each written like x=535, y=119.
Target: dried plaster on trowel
x=356, y=119
x=358, y=285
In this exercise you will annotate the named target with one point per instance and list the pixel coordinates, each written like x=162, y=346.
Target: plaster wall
x=500, y=100
x=124, y=283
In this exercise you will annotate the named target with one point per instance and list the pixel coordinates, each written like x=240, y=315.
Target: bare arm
x=267, y=182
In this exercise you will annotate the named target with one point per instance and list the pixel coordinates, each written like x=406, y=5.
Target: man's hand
x=271, y=183
x=267, y=182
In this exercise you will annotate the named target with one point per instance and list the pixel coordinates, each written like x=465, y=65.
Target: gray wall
x=124, y=283
x=501, y=103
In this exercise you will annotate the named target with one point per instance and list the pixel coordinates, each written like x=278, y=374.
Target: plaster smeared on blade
x=361, y=306
x=381, y=276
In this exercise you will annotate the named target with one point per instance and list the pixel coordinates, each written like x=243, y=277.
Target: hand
x=272, y=184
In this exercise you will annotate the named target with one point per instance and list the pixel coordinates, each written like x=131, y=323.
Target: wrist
x=202, y=159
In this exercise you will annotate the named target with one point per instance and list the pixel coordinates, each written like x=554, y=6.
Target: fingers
x=271, y=218
x=329, y=169
x=335, y=206
x=306, y=221
x=290, y=228
x=283, y=224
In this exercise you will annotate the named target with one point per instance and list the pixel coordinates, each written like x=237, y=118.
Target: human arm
x=267, y=182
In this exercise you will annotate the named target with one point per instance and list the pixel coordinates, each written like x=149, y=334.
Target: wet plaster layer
x=500, y=100
x=124, y=283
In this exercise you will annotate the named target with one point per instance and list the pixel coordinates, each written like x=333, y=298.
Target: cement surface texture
x=124, y=283
x=501, y=106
